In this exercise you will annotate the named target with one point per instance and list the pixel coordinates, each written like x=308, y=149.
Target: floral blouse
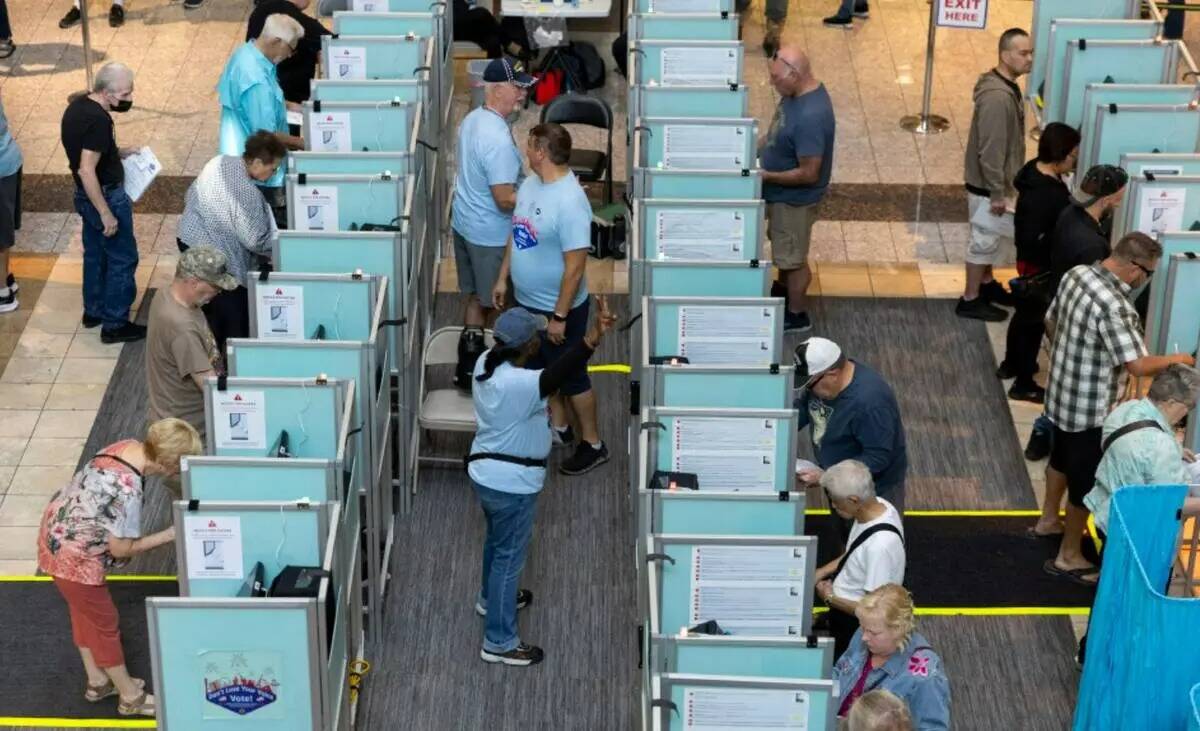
x=104, y=499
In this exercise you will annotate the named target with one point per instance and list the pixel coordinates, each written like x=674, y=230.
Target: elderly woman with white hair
x=887, y=653
x=875, y=549
x=879, y=710
x=251, y=99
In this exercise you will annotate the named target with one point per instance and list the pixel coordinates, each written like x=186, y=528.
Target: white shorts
x=983, y=246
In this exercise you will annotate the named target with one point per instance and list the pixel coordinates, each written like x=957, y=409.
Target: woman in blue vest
x=507, y=464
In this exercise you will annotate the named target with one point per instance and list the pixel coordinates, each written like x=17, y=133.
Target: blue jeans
x=108, y=262
x=847, y=7
x=509, y=525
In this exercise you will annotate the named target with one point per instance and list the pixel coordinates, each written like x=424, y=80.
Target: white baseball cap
x=813, y=357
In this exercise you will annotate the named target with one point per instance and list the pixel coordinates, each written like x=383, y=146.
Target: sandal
x=143, y=705
x=1075, y=575
x=97, y=693
x=1033, y=532
x=7, y=47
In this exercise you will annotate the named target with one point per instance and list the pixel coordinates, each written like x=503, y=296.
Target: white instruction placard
x=370, y=6
x=240, y=419
x=316, y=208
x=700, y=234
x=745, y=709
x=348, y=63
x=280, y=312
x=717, y=335
x=1161, y=209
x=330, y=131
x=703, y=147
x=214, y=547
x=749, y=590
x=726, y=453
x=699, y=67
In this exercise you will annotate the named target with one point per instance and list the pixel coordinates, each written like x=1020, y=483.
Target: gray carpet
x=962, y=446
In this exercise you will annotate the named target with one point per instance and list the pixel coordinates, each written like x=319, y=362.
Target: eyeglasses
x=776, y=57
x=1148, y=272
x=814, y=380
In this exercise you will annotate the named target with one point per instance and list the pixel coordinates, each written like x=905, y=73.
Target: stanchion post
x=927, y=123
x=87, y=42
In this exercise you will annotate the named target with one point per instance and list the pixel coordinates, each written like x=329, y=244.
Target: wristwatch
x=557, y=317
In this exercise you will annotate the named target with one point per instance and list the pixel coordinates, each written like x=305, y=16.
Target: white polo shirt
x=878, y=561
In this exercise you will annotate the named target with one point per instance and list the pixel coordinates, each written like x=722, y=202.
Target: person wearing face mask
x=251, y=98
x=485, y=193
x=224, y=209
x=110, y=254
x=1081, y=233
x=1095, y=335
x=180, y=350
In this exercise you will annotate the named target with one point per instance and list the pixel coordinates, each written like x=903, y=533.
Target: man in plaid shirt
x=1095, y=333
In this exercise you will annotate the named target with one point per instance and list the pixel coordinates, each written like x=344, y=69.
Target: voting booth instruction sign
x=962, y=13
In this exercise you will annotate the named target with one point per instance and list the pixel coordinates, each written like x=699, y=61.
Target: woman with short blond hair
x=887, y=653
x=93, y=525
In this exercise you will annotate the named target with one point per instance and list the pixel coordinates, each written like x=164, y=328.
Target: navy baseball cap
x=502, y=70
x=517, y=326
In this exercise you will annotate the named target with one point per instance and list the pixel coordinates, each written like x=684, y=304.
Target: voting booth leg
x=927, y=123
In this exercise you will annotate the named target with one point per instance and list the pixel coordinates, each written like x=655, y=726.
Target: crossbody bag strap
x=135, y=470
x=1130, y=427
x=862, y=538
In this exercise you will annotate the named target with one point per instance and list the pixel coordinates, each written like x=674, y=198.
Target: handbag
x=1039, y=287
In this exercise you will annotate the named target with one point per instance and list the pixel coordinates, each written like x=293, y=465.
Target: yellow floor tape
x=38, y=722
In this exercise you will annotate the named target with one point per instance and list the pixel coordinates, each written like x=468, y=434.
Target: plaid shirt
x=1097, y=332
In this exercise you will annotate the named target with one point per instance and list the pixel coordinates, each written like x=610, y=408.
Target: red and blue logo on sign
x=524, y=233
x=240, y=695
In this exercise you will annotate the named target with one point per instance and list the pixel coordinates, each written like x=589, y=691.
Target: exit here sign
x=962, y=13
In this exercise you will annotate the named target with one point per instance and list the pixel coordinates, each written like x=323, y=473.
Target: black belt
x=523, y=461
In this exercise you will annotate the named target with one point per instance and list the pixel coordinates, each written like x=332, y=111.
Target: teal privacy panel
x=699, y=185
x=697, y=101
x=281, y=480
x=277, y=538
x=683, y=6
x=344, y=307
x=670, y=144
x=372, y=90
x=310, y=415
x=820, y=703
x=384, y=57
x=743, y=389
x=794, y=660
x=1125, y=62
x=423, y=23
x=1067, y=28
x=1144, y=129
x=678, y=279
x=1138, y=201
x=361, y=199
x=194, y=642
x=655, y=219
x=671, y=63
x=1098, y=97
x=1046, y=11
x=733, y=517
x=398, y=164
x=784, y=449
x=682, y=27
x=1173, y=242
x=1175, y=164
x=382, y=126
x=1180, y=329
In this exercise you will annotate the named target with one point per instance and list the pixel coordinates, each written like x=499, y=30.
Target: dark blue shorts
x=577, y=323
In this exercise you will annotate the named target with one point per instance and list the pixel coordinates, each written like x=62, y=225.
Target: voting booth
x=674, y=63
x=350, y=202
x=673, y=383
x=687, y=230
x=684, y=702
x=1092, y=62
x=1046, y=12
x=1111, y=99
x=743, y=331
x=1144, y=128
x=682, y=26
x=1158, y=204
x=695, y=143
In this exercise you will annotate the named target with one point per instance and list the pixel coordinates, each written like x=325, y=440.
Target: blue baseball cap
x=502, y=70
x=517, y=326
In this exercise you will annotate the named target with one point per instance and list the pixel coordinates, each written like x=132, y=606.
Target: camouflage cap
x=208, y=264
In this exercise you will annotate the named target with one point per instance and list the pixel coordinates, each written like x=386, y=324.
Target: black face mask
x=123, y=105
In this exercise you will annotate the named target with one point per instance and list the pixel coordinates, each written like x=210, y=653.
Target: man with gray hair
x=875, y=550
x=110, y=254
x=485, y=193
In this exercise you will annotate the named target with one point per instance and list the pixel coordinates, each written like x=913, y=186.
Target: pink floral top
x=104, y=499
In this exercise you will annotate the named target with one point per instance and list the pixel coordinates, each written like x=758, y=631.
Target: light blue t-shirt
x=511, y=417
x=487, y=156
x=250, y=100
x=10, y=154
x=549, y=221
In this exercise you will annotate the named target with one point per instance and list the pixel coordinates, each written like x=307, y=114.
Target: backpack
x=586, y=64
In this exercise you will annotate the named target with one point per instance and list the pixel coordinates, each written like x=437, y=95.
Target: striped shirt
x=1097, y=332
x=224, y=208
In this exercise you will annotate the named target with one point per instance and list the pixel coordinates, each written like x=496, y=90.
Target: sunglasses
x=1148, y=272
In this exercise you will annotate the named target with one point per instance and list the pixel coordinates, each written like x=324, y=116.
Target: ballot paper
x=280, y=312
x=330, y=131
x=316, y=208
x=699, y=67
x=295, y=118
x=700, y=234
x=1161, y=209
x=727, y=453
x=727, y=335
x=803, y=465
x=141, y=168
x=213, y=547
x=348, y=62
x=703, y=147
x=1001, y=225
x=749, y=590
x=744, y=709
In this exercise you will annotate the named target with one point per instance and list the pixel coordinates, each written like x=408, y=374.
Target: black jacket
x=1077, y=239
x=1040, y=199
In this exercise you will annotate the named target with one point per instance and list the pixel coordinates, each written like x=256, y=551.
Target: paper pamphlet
x=803, y=465
x=703, y=147
x=700, y=234
x=316, y=208
x=141, y=168
x=240, y=420
x=728, y=453
x=294, y=117
x=725, y=335
x=330, y=132
x=699, y=67
x=1161, y=209
x=749, y=590
x=1001, y=225
x=745, y=709
x=280, y=312
x=348, y=62
x=213, y=547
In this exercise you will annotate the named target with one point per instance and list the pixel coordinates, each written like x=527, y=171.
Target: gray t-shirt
x=178, y=345
x=803, y=126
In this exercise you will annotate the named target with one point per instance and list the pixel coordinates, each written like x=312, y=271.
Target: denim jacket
x=913, y=674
